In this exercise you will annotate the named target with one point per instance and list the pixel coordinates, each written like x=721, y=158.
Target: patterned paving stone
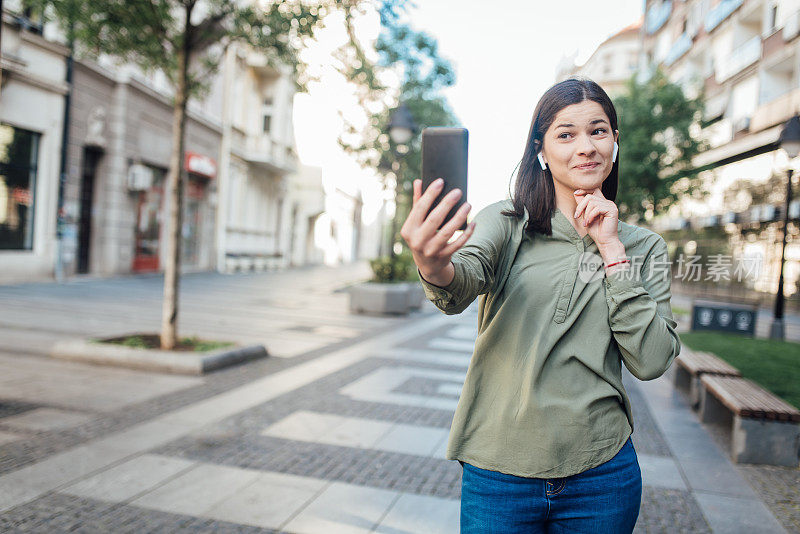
x=778, y=487
x=379, y=469
x=357, y=432
x=668, y=511
x=646, y=437
x=65, y=513
x=424, y=386
x=17, y=454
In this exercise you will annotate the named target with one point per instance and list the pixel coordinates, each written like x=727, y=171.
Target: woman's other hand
x=429, y=245
x=601, y=219
x=600, y=216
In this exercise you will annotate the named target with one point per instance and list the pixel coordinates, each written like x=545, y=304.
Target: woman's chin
x=588, y=185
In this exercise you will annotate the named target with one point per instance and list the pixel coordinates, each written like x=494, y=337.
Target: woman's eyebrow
x=567, y=125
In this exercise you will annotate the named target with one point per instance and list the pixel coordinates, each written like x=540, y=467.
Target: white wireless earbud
x=541, y=162
x=614, y=154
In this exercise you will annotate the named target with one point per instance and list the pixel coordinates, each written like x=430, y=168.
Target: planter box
x=385, y=299
x=178, y=362
x=416, y=295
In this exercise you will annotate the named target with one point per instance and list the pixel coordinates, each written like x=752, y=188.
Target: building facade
x=116, y=201
x=612, y=63
x=269, y=198
x=32, y=92
x=249, y=202
x=744, y=57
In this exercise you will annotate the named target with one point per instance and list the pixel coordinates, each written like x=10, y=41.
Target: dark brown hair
x=534, y=188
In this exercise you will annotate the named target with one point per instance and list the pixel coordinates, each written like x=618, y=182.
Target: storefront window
x=19, y=150
x=192, y=218
x=148, y=223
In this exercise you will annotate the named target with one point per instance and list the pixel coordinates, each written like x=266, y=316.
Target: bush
x=401, y=268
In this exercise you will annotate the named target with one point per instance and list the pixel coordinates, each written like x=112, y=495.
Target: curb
x=187, y=363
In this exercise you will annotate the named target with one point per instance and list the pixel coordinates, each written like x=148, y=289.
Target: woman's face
x=579, y=135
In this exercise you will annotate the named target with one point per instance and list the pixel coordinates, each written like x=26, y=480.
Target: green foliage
x=203, y=346
x=414, y=58
x=656, y=146
x=401, y=268
x=154, y=34
x=136, y=342
x=149, y=341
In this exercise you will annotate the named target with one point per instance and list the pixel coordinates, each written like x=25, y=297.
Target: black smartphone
x=444, y=155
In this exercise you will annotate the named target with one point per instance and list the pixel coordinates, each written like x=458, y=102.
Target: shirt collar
x=562, y=228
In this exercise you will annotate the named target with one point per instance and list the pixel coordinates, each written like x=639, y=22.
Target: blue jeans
x=604, y=499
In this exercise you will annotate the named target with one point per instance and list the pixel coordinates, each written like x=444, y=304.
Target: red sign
x=200, y=164
x=21, y=196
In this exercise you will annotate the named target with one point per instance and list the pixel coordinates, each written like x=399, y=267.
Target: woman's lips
x=587, y=166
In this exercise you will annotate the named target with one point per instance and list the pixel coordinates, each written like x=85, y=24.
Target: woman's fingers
x=417, y=191
x=446, y=232
x=582, y=205
x=423, y=203
x=591, y=214
x=450, y=249
x=438, y=214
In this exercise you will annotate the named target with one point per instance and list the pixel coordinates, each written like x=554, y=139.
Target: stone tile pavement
x=342, y=430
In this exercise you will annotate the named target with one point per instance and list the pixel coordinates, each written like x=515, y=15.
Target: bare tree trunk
x=175, y=184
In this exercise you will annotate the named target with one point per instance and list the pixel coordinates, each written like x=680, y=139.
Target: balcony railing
x=740, y=58
x=723, y=10
x=657, y=15
x=775, y=112
x=791, y=27
x=679, y=48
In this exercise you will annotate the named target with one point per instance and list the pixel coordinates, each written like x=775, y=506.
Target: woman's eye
x=561, y=136
x=600, y=130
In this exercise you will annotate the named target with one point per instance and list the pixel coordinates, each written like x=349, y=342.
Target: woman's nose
x=585, y=145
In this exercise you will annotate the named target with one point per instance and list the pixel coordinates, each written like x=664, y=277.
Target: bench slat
x=705, y=362
x=748, y=399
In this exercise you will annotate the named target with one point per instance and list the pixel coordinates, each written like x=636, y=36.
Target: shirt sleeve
x=640, y=315
x=475, y=264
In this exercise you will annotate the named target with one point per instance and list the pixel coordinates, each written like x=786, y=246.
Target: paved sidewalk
x=342, y=430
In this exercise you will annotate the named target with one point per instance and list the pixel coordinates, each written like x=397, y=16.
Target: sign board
x=200, y=164
x=725, y=317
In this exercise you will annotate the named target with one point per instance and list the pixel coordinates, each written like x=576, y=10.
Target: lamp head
x=790, y=137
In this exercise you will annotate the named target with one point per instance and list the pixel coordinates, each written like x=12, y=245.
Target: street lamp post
x=401, y=130
x=790, y=142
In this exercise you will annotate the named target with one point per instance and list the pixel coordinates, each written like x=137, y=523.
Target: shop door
x=91, y=156
x=148, y=225
x=192, y=221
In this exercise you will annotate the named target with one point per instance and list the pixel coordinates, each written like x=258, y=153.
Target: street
x=342, y=429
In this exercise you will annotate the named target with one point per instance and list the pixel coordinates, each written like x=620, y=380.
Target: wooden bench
x=765, y=428
x=692, y=365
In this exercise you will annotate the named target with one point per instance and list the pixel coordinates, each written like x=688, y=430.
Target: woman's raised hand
x=429, y=245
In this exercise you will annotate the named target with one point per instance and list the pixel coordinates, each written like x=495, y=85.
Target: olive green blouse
x=543, y=395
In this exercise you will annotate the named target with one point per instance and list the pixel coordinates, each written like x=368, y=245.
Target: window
x=19, y=152
x=773, y=17
x=266, y=113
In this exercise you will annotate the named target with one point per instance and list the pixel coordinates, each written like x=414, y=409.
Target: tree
x=655, y=124
x=412, y=56
x=186, y=39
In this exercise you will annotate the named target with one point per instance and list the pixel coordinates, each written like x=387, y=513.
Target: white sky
x=505, y=56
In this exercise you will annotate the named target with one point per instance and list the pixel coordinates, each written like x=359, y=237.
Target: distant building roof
x=630, y=28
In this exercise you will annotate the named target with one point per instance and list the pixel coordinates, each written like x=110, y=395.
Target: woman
x=567, y=292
